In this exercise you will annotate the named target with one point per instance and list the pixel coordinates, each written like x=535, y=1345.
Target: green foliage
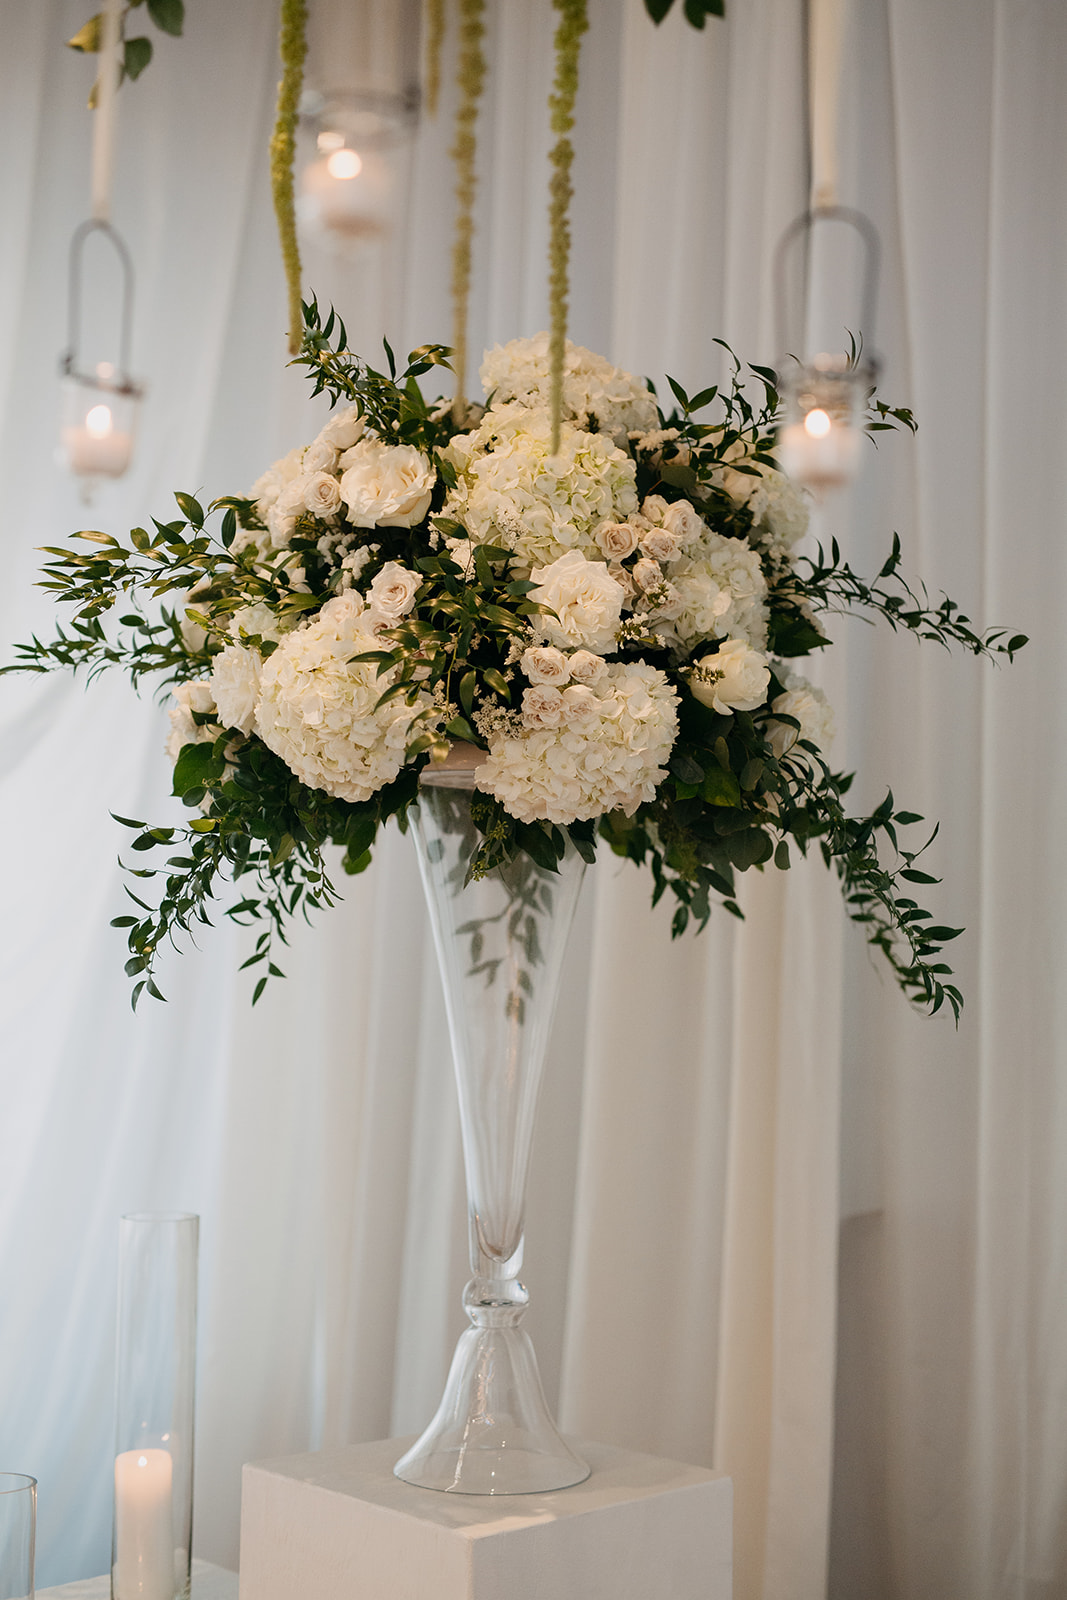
x=136, y=52
x=696, y=12
x=162, y=606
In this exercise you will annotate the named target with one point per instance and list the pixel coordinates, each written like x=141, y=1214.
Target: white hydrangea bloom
x=723, y=592
x=596, y=395
x=267, y=488
x=607, y=756
x=780, y=508
x=810, y=707
x=510, y=490
x=317, y=706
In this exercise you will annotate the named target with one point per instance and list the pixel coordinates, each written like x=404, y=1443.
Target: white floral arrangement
x=612, y=626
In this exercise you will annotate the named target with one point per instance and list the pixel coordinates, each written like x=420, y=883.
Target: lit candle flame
x=817, y=423
x=344, y=164
x=98, y=422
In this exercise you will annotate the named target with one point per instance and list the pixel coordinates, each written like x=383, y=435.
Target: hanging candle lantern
x=824, y=396
x=99, y=404
x=363, y=61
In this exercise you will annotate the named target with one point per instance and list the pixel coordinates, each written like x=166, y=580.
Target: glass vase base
x=492, y=1433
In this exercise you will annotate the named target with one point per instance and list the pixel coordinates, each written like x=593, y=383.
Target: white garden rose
x=654, y=508
x=586, y=600
x=318, y=707
x=608, y=755
x=190, y=697
x=660, y=544
x=543, y=663
x=542, y=706
x=322, y=494
x=616, y=540
x=647, y=574
x=320, y=456
x=392, y=593
x=809, y=706
x=344, y=429
x=585, y=667
x=734, y=679
x=685, y=523
x=235, y=686
x=387, y=485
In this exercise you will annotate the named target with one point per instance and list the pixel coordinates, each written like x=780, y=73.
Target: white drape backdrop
x=777, y=1223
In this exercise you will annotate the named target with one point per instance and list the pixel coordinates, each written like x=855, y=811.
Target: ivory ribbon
x=826, y=28
x=104, y=115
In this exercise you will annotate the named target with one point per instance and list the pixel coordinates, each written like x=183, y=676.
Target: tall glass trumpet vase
x=500, y=942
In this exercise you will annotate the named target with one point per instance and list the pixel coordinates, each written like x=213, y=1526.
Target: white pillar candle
x=144, y=1526
x=89, y=452
x=820, y=460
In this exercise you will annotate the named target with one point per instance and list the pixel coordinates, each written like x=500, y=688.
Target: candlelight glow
x=817, y=423
x=344, y=164
x=98, y=421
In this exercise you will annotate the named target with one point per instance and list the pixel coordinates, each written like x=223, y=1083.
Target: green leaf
x=684, y=767
x=137, y=53
x=168, y=15
x=196, y=767
x=720, y=788
x=190, y=508
x=657, y=9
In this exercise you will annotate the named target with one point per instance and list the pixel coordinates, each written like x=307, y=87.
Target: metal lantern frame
x=107, y=384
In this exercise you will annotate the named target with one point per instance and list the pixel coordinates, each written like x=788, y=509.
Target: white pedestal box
x=339, y=1526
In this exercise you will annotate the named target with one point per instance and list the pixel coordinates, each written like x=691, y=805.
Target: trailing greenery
x=293, y=49
x=573, y=22
x=471, y=80
x=739, y=789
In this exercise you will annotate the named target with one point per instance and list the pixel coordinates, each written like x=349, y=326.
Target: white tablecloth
x=209, y=1583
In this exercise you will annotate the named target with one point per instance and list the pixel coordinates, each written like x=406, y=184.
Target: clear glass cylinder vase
x=152, y=1531
x=18, y=1533
x=500, y=941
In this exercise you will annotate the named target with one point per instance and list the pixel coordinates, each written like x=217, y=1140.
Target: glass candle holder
x=99, y=417
x=823, y=404
x=151, y=1547
x=18, y=1532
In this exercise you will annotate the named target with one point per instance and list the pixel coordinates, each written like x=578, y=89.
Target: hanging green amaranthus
x=293, y=46
x=470, y=77
x=435, y=32
x=572, y=24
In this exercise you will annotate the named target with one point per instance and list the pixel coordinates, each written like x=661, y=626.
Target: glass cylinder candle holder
x=154, y=1394
x=18, y=1532
x=98, y=422
x=822, y=425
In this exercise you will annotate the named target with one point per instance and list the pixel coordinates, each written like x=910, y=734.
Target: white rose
x=616, y=540
x=586, y=600
x=585, y=667
x=681, y=520
x=342, y=612
x=734, y=679
x=392, y=594
x=387, y=485
x=280, y=526
x=235, y=686
x=322, y=495
x=543, y=663
x=660, y=544
x=647, y=574
x=321, y=456
x=542, y=706
x=580, y=705
x=344, y=428
x=290, y=501
x=811, y=709
x=654, y=507
x=190, y=698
